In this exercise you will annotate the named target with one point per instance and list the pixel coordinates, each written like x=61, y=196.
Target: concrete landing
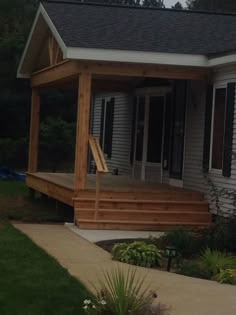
x=86, y=261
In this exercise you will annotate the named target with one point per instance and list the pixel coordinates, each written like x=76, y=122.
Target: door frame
x=147, y=93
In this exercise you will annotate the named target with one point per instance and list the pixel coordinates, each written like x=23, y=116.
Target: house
x=156, y=109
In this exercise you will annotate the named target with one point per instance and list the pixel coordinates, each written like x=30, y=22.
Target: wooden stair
x=145, y=211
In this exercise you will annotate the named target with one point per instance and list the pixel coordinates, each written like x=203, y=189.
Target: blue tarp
x=6, y=174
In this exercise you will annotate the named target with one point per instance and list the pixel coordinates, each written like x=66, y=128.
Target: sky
x=169, y=3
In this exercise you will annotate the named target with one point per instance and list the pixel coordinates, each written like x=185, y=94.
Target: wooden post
x=34, y=131
x=82, y=132
x=98, y=180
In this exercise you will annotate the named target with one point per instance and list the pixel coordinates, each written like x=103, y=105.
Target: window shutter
x=134, y=113
x=228, y=136
x=207, y=132
x=102, y=122
x=109, y=127
x=167, y=132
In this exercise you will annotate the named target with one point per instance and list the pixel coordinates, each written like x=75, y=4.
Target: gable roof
x=131, y=34
x=142, y=29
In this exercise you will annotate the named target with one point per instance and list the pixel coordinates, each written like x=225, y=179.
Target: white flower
x=85, y=307
x=103, y=302
x=93, y=306
x=87, y=301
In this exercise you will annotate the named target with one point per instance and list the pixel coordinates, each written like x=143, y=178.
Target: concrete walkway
x=86, y=261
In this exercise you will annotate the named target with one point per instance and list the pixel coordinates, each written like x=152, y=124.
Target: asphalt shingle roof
x=142, y=29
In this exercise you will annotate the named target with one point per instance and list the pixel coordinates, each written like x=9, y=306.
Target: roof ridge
x=81, y=2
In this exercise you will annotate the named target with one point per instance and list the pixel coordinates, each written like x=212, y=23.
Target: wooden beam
x=59, y=72
x=82, y=133
x=144, y=70
x=34, y=132
x=70, y=68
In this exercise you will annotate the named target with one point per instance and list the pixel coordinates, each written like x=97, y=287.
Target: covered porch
x=111, y=201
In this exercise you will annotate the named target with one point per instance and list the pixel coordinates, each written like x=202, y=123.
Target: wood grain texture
x=34, y=131
x=82, y=131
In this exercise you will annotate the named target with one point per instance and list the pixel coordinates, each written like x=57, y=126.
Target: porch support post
x=34, y=131
x=82, y=131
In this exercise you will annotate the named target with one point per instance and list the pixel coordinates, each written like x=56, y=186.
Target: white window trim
x=218, y=85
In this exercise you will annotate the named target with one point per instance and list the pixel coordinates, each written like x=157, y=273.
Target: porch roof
x=142, y=29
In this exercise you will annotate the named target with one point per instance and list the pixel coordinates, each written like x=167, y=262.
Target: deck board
x=108, y=183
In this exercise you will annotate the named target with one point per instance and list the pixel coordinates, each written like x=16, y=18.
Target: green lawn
x=32, y=282
x=15, y=204
x=13, y=189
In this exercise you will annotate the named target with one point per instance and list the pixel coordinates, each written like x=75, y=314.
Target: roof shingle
x=142, y=29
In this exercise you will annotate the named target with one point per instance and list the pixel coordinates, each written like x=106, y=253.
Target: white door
x=149, y=138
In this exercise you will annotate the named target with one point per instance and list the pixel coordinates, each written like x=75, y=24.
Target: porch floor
x=108, y=183
x=124, y=203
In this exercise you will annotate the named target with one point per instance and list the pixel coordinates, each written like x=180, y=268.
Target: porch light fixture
x=170, y=253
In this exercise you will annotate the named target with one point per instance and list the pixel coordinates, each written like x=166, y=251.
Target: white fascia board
x=223, y=60
x=136, y=57
x=19, y=74
x=54, y=31
x=41, y=11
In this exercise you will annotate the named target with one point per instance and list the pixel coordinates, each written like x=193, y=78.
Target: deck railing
x=101, y=168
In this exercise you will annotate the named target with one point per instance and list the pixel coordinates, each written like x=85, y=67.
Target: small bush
x=221, y=235
x=137, y=253
x=226, y=276
x=185, y=242
x=214, y=261
x=193, y=269
x=122, y=293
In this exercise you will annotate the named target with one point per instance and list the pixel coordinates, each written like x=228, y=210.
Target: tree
x=154, y=3
x=178, y=6
x=212, y=5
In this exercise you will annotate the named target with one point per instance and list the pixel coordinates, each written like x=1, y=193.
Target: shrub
x=137, y=253
x=214, y=261
x=193, y=269
x=221, y=235
x=185, y=242
x=122, y=293
x=226, y=276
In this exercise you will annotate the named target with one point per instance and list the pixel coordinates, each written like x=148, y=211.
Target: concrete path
x=86, y=261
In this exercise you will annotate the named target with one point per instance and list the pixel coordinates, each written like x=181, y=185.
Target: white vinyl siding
x=122, y=130
x=193, y=174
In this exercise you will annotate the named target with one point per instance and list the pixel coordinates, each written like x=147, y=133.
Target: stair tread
x=140, y=223
x=146, y=211
x=187, y=202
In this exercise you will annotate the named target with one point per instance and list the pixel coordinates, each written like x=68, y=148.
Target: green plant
x=214, y=261
x=185, y=242
x=123, y=293
x=137, y=253
x=193, y=269
x=221, y=235
x=226, y=276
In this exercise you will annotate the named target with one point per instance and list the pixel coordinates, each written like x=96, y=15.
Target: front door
x=149, y=137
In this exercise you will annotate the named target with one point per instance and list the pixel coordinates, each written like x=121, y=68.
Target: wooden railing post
x=101, y=169
x=82, y=131
x=34, y=131
x=97, y=200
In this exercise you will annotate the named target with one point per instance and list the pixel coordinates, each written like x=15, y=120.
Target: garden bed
x=206, y=254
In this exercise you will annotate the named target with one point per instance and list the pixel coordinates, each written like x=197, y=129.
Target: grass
x=32, y=282
x=15, y=204
x=12, y=189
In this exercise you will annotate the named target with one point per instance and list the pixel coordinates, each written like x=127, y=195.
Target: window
x=106, y=126
x=218, y=129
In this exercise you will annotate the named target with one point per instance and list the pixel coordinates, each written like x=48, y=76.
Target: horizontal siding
x=224, y=187
x=195, y=120
x=122, y=130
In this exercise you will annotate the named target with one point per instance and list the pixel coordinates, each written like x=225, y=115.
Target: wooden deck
x=125, y=203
